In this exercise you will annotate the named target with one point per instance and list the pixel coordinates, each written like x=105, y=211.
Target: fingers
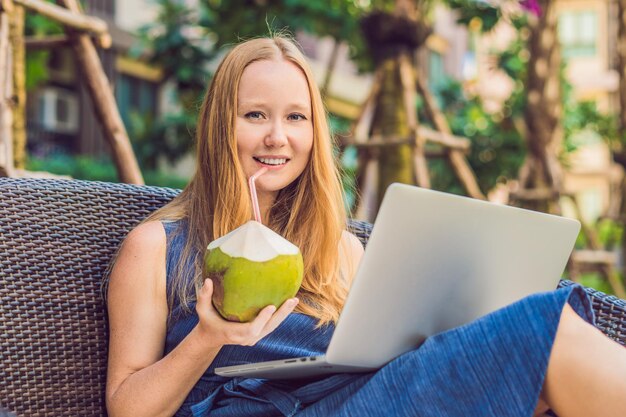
x=207, y=289
x=247, y=334
x=207, y=315
x=204, y=303
x=257, y=325
x=268, y=319
x=281, y=314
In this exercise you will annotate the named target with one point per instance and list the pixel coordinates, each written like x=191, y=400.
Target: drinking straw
x=255, y=199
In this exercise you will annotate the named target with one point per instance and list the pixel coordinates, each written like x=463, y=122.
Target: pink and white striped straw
x=255, y=199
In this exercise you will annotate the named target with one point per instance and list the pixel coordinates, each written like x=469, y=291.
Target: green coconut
x=252, y=267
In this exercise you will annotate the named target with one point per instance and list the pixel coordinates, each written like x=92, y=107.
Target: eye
x=296, y=117
x=254, y=115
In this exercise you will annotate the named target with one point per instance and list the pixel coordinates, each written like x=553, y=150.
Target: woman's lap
x=492, y=366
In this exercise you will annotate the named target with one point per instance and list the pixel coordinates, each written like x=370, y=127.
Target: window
x=436, y=74
x=578, y=33
x=57, y=110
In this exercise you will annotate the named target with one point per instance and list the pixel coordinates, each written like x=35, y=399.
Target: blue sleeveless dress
x=494, y=366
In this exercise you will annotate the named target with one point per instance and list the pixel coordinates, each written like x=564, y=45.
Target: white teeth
x=273, y=161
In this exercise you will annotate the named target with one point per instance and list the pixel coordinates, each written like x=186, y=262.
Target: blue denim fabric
x=494, y=366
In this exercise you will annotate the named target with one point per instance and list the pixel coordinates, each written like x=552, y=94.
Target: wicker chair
x=56, y=240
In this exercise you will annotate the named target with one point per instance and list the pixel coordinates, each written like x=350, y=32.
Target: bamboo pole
x=457, y=159
x=420, y=164
x=427, y=134
x=6, y=83
x=408, y=90
x=447, y=140
x=594, y=245
x=368, y=167
x=359, y=130
x=47, y=42
x=18, y=59
x=6, y=6
x=104, y=103
x=330, y=68
x=61, y=41
x=363, y=158
x=363, y=122
x=369, y=198
x=68, y=18
x=377, y=141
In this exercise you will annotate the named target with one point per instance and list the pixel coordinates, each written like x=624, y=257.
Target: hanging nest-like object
x=387, y=35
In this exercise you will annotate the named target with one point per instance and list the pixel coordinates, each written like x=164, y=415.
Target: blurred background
x=518, y=102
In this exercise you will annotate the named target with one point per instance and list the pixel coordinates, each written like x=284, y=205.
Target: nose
x=277, y=136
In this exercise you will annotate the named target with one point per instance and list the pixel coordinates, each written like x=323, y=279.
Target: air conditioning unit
x=57, y=110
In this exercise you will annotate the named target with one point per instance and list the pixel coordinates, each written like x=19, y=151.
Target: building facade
x=61, y=117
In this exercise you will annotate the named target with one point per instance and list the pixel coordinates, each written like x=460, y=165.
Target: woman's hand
x=219, y=332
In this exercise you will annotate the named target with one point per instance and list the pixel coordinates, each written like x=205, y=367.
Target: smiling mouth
x=271, y=162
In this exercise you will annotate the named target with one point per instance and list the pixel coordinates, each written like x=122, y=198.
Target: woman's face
x=274, y=126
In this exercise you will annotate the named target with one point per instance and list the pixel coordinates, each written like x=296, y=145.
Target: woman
x=263, y=109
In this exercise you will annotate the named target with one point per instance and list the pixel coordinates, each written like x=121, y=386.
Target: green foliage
x=182, y=48
x=178, y=45
x=36, y=61
x=183, y=40
x=585, y=116
x=36, y=68
x=609, y=234
x=347, y=161
x=497, y=149
x=79, y=167
x=88, y=168
x=581, y=116
x=336, y=18
x=596, y=281
x=38, y=25
x=514, y=59
x=170, y=137
x=577, y=115
x=471, y=11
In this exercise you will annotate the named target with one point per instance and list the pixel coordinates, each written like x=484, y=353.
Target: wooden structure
x=446, y=145
x=6, y=94
x=595, y=256
x=79, y=30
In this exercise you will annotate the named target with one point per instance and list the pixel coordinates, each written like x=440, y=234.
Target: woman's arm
x=140, y=380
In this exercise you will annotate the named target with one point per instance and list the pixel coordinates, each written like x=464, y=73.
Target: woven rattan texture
x=610, y=313
x=56, y=239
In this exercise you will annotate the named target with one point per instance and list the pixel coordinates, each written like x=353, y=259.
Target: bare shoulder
x=141, y=259
x=149, y=236
x=352, y=242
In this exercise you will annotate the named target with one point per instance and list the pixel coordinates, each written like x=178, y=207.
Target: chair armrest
x=609, y=310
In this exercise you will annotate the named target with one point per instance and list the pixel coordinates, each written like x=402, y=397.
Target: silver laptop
x=434, y=261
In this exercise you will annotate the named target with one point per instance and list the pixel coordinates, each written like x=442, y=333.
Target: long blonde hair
x=309, y=212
